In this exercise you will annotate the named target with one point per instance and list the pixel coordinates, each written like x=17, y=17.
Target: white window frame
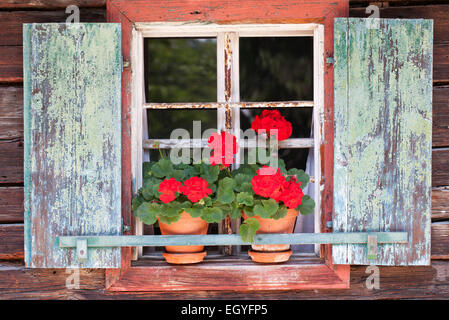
x=227, y=41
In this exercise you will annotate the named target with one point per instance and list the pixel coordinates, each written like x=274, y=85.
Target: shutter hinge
x=330, y=60
x=125, y=228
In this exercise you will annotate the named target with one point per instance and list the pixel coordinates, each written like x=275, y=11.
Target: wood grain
x=72, y=140
x=11, y=112
x=11, y=21
x=11, y=64
x=11, y=205
x=440, y=165
x=383, y=105
x=17, y=282
x=440, y=240
x=11, y=161
x=440, y=204
x=11, y=244
x=440, y=129
x=436, y=12
x=49, y=4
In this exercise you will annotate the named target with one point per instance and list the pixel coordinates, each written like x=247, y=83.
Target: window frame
x=228, y=103
x=318, y=274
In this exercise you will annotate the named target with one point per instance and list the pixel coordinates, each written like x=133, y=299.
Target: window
x=223, y=76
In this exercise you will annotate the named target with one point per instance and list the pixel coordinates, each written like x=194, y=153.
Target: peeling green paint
x=72, y=140
x=383, y=136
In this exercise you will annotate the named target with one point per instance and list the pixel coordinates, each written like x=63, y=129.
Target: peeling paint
x=73, y=134
x=383, y=136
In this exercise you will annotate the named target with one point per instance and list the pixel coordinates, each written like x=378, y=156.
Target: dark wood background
x=16, y=282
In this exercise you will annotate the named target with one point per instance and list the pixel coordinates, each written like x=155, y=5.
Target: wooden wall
x=16, y=282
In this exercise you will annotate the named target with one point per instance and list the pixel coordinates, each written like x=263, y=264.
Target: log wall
x=16, y=282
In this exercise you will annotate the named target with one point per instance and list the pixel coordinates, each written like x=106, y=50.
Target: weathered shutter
x=383, y=136
x=72, y=85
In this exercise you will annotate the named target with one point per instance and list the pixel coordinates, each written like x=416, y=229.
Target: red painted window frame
x=245, y=277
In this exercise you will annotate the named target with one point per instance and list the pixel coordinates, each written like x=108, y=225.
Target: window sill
x=236, y=274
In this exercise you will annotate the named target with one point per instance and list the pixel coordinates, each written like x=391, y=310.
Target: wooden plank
x=72, y=140
x=17, y=282
x=248, y=11
x=383, y=131
x=440, y=165
x=238, y=276
x=11, y=112
x=440, y=129
x=440, y=240
x=49, y=4
x=11, y=21
x=11, y=205
x=441, y=23
x=11, y=161
x=440, y=204
x=11, y=244
x=11, y=64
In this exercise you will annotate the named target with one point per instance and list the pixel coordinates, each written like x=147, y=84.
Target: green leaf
x=179, y=175
x=248, y=229
x=280, y=213
x=136, y=202
x=171, y=209
x=243, y=182
x=249, y=211
x=245, y=198
x=209, y=173
x=150, y=189
x=163, y=168
x=267, y=209
x=225, y=193
x=169, y=220
x=147, y=212
x=300, y=175
x=146, y=169
x=195, y=211
x=236, y=211
x=212, y=215
x=307, y=205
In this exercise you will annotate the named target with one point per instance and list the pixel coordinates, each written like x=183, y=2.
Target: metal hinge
x=330, y=60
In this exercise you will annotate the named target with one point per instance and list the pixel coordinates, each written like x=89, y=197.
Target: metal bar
x=233, y=239
x=241, y=105
x=295, y=143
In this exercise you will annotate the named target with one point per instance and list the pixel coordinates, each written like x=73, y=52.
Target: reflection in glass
x=276, y=69
x=161, y=123
x=180, y=70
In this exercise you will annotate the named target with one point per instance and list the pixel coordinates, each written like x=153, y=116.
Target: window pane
x=276, y=69
x=161, y=123
x=300, y=118
x=181, y=70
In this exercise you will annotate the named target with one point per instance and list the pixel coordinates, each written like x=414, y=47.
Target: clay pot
x=184, y=226
x=273, y=253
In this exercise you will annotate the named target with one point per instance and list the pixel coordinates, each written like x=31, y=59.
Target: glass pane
x=300, y=118
x=161, y=123
x=180, y=70
x=276, y=69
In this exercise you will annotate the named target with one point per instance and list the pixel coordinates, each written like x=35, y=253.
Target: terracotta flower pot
x=273, y=253
x=184, y=226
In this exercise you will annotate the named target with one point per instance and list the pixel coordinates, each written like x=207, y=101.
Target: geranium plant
x=202, y=190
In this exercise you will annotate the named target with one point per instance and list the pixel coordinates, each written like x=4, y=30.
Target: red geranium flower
x=269, y=185
x=195, y=189
x=224, y=146
x=292, y=194
x=272, y=120
x=167, y=189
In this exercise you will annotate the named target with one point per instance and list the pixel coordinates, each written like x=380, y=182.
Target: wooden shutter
x=72, y=85
x=383, y=136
